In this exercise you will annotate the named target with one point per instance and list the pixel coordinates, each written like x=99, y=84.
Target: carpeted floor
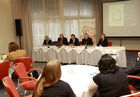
x=131, y=60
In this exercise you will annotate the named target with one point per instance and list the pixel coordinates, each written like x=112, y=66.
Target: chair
x=109, y=43
x=10, y=87
x=4, y=69
x=22, y=75
x=130, y=86
x=28, y=64
x=132, y=95
x=26, y=61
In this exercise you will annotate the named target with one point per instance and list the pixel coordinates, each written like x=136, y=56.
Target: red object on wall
x=109, y=43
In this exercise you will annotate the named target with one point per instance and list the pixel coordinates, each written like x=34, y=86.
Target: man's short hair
x=72, y=35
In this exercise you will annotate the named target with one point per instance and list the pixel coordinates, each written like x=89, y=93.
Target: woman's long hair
x=50, y=76
x=13, y=46
x=107, y=64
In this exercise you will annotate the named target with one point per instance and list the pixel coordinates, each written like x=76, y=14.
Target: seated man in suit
x=47, y=41
x=134, y=70
x=74, y=41
x=87, y=40
x=62, y=40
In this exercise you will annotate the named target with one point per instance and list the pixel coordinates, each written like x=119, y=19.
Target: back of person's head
x=107, y=64
x=13, y=46
x=50, y=76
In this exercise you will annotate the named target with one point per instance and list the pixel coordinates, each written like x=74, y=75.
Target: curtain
x=98, y=13
x=21, y=11
x=52, y=17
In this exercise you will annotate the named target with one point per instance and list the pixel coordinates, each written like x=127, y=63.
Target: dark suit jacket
x=47, y=43
x=65, y=41
x=103, y=43
x=87, y=41
x=135, y=70
x=76, y=42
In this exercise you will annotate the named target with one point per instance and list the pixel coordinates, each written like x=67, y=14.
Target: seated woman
x=50, y=85
x=111, y=81
x=15, y=52
x=103, y=41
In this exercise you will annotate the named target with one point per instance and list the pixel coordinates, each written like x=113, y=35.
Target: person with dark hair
x=15, y=52
x=50, y=85
x=74, y=41
x=111, y=81
x=134, y=70
x=47, y=41
x=86, y=40
x=103, y=41
x=62, y=40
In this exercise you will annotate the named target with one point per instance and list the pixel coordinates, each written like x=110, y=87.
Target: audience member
x=111, y=81
x=47, y=41
x=103, y=41
x=62, y=40
x=50, y=85
x=74, y=41
x=134, y=70
x=87, y=40
x=15, y=52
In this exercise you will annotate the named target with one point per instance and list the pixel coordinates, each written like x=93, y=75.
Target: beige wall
x=7, y=33
x=129, y=43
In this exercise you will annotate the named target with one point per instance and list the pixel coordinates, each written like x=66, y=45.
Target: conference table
x=80, y=78
x=79, y=54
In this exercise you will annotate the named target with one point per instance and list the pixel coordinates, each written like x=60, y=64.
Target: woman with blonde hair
x=50, y=85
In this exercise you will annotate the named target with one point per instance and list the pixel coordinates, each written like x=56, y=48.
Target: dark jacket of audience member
x=103, y=43
x=135, y=70
x=64, y=41
x=111, y=81
x=87, y=41
x=76, y=42
x=47, y=42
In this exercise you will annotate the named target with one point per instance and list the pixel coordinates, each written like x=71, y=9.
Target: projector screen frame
x=118, y=36
x=123, y=36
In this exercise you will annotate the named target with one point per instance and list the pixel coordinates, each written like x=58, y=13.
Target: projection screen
x=122, y=19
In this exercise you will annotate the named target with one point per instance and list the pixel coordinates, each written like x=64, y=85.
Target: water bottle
x=1, y=57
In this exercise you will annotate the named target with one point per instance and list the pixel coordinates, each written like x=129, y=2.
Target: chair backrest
x=131, y=86
x=10, y=87
x=20, y=71
x=4, y=69
x=132, y=95
x=109, y=43
x=25, y=60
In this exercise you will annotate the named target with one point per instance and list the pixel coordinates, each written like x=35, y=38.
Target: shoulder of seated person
x=63, y=83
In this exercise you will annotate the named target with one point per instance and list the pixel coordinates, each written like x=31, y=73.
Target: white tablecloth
x=81, y=82
x=79, y=54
